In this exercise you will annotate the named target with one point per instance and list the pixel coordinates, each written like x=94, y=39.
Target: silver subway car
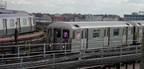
x=138, y=31
x=12, y=19
x=89, y=35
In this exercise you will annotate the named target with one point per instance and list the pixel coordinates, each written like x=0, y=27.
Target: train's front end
x=58, y=36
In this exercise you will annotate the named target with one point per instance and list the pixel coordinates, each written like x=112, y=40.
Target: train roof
x=11, y=13
x=137, y=23
x=96, y=24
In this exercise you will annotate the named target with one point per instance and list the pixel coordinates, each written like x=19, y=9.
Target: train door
x=4, y=26
x=106, y=37
x=124, y=36
x=84, y=39
x=18, y=24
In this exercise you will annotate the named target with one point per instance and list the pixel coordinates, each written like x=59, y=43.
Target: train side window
x=33, y=21
x=24, y=22
x=116, y=32
x=81, y=34
x=96, y=33
x=86, y=34
x=132, y=30
x=129, y=32
x=4, y=23
x=30, y=20
x=138, y=30
x=73, y=34
x=49, y=32
x=11, y=22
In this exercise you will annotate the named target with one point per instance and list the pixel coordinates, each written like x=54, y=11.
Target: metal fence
x=27, y=58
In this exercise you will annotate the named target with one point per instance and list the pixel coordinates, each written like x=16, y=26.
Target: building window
x=116, y=32
x=24, y=22
x=96, y=33
x=11, y=22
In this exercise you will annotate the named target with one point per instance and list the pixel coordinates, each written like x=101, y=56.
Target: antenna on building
x=3, y=4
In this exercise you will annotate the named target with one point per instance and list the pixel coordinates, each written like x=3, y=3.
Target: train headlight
x=50, y=45
x=63, y=46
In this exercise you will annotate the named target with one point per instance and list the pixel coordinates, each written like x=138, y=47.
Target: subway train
x=12, y=20
x=93, y=35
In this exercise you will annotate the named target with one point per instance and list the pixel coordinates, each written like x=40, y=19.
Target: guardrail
x=24, y=59
x=25, y=49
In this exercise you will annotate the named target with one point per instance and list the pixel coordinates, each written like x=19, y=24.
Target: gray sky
x=118, y=7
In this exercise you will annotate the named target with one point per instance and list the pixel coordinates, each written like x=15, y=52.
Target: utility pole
x=16, y=36
x=14, y=49
x=142, y=59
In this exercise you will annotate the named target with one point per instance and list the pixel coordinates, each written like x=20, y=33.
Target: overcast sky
x=118, y=7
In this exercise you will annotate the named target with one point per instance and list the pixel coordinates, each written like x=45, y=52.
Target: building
x=134, y=16
x=67, y=17
x=102, y=17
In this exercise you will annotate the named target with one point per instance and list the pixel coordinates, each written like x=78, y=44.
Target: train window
x=82, y=34
x=11, y=22
x=57, y=32
x=73, y=34
x=33, y=21
x=124, y=32
x=49, y=32
x=96, y=33
x=30, y=21
x=4, y=23
x=129, y=31
x=132, y=29
x=137, y=30
x=105, y=32
x=24, y=22
x=86, y=33
x=140, y=30
x=116, y=32
x=65, y=34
